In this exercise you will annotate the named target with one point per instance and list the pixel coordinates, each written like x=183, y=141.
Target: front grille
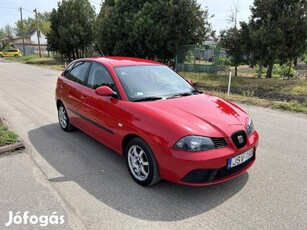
x=200, y=176
x=239, y=139
x=210, y=175
x=219, y=142
x=249, y=129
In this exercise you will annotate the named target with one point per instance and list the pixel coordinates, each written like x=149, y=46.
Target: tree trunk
x=236, y=70
x=73, y=55
x=77, y=53
x=295, y=62
x=270, y=69
x=289, y=71
x=260, y=68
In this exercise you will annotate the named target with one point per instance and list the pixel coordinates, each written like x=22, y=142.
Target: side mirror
x=105, y=91
x=190, y=82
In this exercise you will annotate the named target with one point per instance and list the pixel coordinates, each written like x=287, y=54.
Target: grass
x=288, y=95
x=44, y=61
x=6, y=136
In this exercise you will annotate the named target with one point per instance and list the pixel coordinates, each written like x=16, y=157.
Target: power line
x=15, y=8
x=9, y=8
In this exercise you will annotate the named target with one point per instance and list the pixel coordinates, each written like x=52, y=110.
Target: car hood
x=200, y=114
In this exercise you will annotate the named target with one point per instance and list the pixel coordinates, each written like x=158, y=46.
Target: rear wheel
x=1, y=55
x=63, y=118
x=15, y=55
x=142, y=163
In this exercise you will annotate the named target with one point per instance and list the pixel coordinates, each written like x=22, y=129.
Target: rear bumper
x=204, y=168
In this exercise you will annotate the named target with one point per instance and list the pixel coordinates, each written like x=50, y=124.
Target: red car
x=164, y=127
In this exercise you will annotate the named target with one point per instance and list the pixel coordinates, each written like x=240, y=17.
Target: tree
x=275, y=27
x=230, y=38
x=150, y=29
x=231, y=42
x=71, y=27
x=8, y=31
x=30, y=23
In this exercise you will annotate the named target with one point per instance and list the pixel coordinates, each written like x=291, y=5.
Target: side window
x=66, y=71
x=100, y=76
x=78, y=72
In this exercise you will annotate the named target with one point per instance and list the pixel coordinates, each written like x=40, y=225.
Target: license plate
x=239, y=159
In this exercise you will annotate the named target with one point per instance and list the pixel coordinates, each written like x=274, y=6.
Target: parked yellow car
x=12, y=52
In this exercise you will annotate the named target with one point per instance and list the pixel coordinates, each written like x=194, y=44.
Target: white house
x=32, y=36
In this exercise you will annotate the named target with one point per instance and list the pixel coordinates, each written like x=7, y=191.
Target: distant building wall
x=42, y=38
x=31, y=49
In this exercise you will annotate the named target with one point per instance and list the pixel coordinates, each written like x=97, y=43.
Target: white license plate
x=239, y=159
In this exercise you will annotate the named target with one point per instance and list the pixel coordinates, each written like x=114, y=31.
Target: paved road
x=92, y=182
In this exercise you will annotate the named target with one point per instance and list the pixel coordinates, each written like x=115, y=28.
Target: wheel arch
x=58, y=102
x=126, y=140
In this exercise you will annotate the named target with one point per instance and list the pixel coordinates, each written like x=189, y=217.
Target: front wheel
x=15, y=55
x=63, y=118
x=142, y=163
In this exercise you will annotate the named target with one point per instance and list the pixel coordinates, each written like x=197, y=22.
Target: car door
x=72, y=86
x=11, y=53
x=6, y=53
x=100, y=112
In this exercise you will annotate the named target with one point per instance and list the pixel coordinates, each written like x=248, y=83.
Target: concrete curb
x=12, y=147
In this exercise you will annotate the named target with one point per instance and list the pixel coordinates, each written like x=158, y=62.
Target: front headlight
x=194, y=143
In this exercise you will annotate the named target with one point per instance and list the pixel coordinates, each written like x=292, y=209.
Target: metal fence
x=197, y=58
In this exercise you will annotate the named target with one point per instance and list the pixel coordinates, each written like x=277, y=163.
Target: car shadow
x=104, y=175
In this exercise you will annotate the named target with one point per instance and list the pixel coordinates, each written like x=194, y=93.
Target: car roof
x=124, y=61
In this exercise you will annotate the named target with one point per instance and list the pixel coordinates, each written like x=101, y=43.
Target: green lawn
x=276, y=93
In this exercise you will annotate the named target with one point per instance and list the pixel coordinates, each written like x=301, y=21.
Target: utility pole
x=23, y=33
x=38, y=33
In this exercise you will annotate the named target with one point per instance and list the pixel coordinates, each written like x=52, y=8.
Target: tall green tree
x=231, y=42
x=150, y=29
x=277, y=27
x=71, y=28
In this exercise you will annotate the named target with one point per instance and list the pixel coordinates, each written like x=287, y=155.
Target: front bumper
x=204, y=168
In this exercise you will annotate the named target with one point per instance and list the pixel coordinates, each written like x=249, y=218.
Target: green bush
x=225, y=60
x=283, y=70
x=6, y=136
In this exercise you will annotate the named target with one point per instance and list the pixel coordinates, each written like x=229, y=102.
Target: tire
x=141, y=163
x=15, y=55
x=63, y=118
x=1, y=56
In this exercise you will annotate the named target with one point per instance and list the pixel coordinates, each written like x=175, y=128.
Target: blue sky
x=220, y=8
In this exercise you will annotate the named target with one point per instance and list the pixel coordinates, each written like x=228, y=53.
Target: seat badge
x=240, y=139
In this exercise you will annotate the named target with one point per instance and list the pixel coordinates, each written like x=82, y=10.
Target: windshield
x=152, y=82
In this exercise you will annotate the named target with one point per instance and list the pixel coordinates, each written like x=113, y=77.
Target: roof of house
x=30, y=32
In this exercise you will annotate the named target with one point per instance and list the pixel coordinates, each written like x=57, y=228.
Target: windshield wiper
x=183, y=94
x=148, y=99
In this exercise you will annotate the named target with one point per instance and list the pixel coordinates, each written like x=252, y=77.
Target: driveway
x=94, y=183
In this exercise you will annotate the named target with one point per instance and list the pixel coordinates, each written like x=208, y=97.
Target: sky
x=219, y=8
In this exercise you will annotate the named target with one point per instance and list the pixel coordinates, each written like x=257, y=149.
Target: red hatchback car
x=164, y=127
